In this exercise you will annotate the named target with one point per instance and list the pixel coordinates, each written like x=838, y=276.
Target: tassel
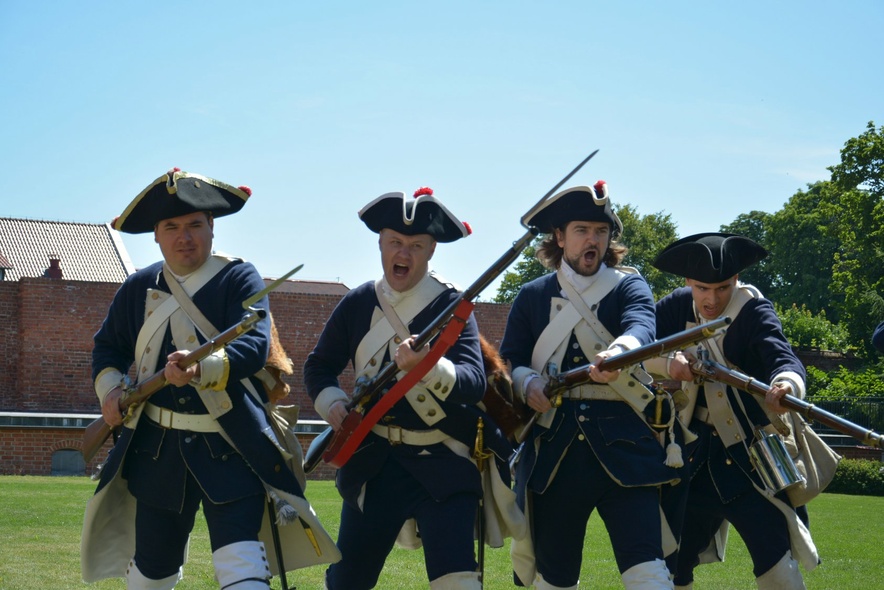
x=673, y=451
x=285, y=512
x=673, y=456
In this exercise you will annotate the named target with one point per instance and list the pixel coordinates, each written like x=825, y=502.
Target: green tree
x=858, y=270
x=803, y=329
x=802, y=241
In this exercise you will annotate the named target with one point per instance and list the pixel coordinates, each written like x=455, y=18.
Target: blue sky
x=701, y=110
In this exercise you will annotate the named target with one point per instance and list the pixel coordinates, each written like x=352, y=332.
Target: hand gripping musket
x=705, y=368
x=336, y=447
x=98, y=431
x=558, y=384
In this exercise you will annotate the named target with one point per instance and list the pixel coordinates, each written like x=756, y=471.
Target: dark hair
x=549, y=253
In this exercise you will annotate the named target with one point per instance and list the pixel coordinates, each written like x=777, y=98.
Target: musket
x=557, y=384
x=711, y=370
x=323, y=446
x=481, y=456
x=98, y=431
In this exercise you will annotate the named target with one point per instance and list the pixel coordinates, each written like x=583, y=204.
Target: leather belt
x=396, y=435
x=176, y=421
x=590, y=391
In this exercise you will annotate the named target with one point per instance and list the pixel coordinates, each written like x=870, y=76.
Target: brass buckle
x=391, y=438
x=162, y=418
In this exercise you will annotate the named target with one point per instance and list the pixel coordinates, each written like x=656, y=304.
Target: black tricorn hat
x=579, y=203
x=179, y=193
x=423, y=214
x=709, y=257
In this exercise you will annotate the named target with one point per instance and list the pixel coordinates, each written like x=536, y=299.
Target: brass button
x=736, y=437
x=730, y=420
x=581, y=437
x=149, y=313
x=196, y=184
x=598, y=346
x=720, y=394
x=143, y=369
x=225, y=404
x=581, y=418
x=576, y=359
x=727, y=461
x=397, y=340
x=431, y=413
x=445, y=389
x=437, y=386
x=421, y=398
x=191, y=338
x=646, y=396
x=277, y=468
x=372, y=362
x=154, y=295
x=630, y=383
x=594, y=307
x=558, y=307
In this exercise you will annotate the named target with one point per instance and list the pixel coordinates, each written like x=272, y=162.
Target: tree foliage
x=858, y=269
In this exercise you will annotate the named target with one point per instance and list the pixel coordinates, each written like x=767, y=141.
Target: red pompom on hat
x=424, y=190
x=469, y=228
x=245, y=189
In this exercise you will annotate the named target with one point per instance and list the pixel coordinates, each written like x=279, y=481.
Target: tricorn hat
x=579, y=203
x=179, y=193
x=423, y=214
x=709, y=257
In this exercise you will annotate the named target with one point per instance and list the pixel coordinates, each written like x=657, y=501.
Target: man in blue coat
x=724, y=485
x=597, y=450
x=204, y=438
x=415, y=466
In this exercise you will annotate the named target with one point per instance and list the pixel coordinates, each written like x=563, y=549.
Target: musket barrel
x=712, y=370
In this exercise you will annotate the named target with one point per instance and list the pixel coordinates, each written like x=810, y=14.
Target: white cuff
x=793, y=379
x=441, y=379
x=326, y=398
x=214, y=371
x=625, y=343
x=106, y=380
x=521, y=377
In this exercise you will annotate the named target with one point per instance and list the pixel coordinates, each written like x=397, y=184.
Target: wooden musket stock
x=581, y=375
x=98, y=431
x=707, y=369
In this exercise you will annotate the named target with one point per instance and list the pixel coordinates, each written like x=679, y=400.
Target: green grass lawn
x=41, y=517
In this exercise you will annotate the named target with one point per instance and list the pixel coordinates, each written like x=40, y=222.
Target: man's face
x=405, y=259
x=185, y=241
x=585, y=244
x=710, y=299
